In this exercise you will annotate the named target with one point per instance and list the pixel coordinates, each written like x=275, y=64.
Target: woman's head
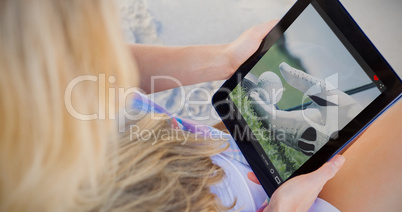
x=164, y=169
x=53, y=161
x=45, y=153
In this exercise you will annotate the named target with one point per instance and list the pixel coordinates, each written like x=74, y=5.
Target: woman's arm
x=176, y=66
x=188, y=65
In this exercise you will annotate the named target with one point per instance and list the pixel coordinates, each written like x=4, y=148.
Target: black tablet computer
x=313, y=85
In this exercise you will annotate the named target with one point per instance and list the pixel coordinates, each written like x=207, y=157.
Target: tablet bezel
x=355, y=40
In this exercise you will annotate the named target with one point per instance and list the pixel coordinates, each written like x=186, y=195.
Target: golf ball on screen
x=270, y=87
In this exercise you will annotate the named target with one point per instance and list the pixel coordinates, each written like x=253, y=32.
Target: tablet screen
x=302, y=91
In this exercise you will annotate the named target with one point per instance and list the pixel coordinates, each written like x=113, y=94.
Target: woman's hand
x=299, y=193
x=246, y=44
x=187, y=65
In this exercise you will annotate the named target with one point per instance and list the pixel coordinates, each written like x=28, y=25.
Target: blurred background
x=195, y=22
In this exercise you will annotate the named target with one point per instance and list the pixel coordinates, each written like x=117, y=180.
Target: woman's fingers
x=251, y=176
x=299, y=193
x=261, y=30
x=247, y=43
x=327, y=171
x=263, y=206
x=318, y=177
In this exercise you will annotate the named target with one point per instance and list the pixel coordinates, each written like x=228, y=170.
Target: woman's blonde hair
x=52, y=161
x=164, y=169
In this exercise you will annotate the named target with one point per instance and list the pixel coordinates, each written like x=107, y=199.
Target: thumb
x=328, y=170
